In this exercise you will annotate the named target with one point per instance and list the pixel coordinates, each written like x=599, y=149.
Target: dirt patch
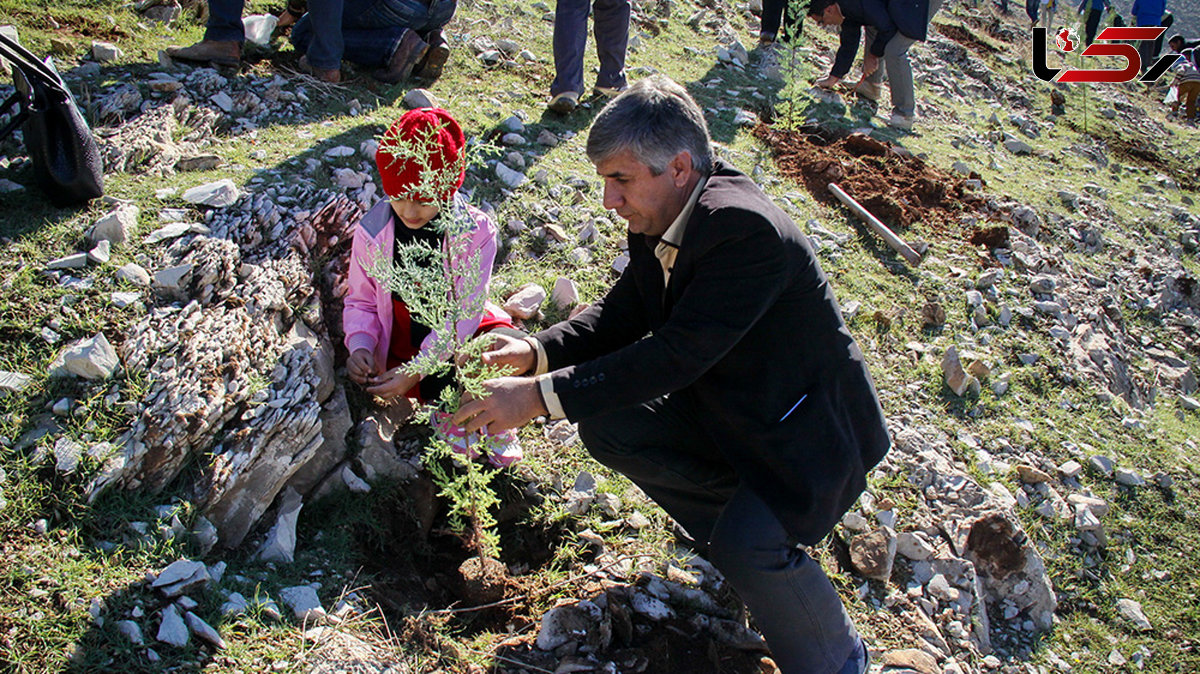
x=966, y=38
x=897, y=187
x=992, y=238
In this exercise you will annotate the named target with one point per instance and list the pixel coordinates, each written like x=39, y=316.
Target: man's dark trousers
x=661, y=446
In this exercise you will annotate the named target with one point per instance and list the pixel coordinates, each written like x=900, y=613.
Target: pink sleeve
x=360, y=318
x=481, y=250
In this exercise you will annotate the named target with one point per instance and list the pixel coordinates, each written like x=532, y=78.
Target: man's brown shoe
x=435, y=58
x=325, y=75
x=216, y=52
x=408, y=54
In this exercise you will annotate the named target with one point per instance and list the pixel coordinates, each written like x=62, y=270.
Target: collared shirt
x=665, y=251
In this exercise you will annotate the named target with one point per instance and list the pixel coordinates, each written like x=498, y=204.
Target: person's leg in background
x=570, y=39
x=223, y=36
x=324, y=49
x=610, y=25
x=1188, y=92
x=1093, y=23
x=772, y=21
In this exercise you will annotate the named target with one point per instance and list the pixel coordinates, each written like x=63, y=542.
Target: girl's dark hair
x=817, y=7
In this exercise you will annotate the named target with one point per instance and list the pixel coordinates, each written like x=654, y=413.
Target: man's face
x=831, y=16
x=648, y=202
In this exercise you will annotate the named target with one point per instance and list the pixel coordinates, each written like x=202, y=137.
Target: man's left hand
x=511, y=402
x=870, y=65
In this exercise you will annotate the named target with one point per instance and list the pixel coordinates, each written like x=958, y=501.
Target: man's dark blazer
x=747, y=327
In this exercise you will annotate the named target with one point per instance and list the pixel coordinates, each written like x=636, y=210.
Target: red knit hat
x=421, y=156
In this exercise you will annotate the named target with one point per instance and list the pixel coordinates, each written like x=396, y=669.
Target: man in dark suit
x=891, y=27
x=717, y=373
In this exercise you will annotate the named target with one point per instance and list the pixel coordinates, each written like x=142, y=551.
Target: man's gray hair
x=655, y=119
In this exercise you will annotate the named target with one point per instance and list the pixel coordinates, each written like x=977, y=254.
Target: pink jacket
x=367, y=310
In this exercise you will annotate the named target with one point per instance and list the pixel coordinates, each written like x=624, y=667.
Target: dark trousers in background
x=225, y=21
x=1093, y=24
x=610, y=20
x=661, y=446
x=370, y=29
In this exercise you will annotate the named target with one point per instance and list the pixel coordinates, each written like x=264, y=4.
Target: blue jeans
x=225, y=21
x=611, y=27
x=659, y=445
x=370, y=29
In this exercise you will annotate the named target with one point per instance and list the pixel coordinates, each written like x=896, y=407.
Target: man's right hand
x=828, y=82
x=507, y=350
x=360, y=365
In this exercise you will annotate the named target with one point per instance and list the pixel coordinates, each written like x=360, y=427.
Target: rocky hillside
x=189, y=481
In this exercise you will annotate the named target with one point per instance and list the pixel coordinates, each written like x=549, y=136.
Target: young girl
x=381, y=334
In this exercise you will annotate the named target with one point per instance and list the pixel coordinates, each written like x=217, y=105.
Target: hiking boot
x=323, y=74
x=899, y=121
x=216, y=52
x=609, y=92
x=564, y=103
x=869, y=90
x=408, y=54
x=435, y=57
x=766, y=39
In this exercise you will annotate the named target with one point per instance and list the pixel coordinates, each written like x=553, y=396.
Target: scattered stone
x=1102, y=465
x=956, y=378
x=872, y=554
x=526, y=302
x=101, y=254
x=174, y=230
x=134, y=273
x=1070, y=469
x=75, y=261
x=172, y=629
x=67, y=454
x=420, y=98
x=235, y=605
x=205, y=535
x=116, y=226
x=547, y=138
x=13, y=382
x=933, y=315
x=179, y=577
x=280, y=544
x=92, y=358
x=1132, y=611
x=1129, y=478
x=564, y=294
x=566, y=623
x=173, y=279
x=304, y=602
x=913, y=546
x=204, y=631
x=216, y=194
x=1018, y=146
x=203, y=162
x=1030, y=475
x=105, y=52
x=131, y=631
x=513, y=179
x=910, y=660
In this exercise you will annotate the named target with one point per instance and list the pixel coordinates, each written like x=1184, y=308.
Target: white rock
x=564, y=294
x=280, y=544
x=75, y=261
x=67, y=453
x=509, y=177
x=105, y=52
x=13, y=382
x=235, y=604
x=124, y=299
x=180, y=576
x=101, y=253
x=172, y=629
x=1102, y=465
x=130, y=630
x=304, y=602
x=116, y=226
x=134, y=273
x=353, y=482
x=204, y=631
x=547, y=138
x=1070, y=469
x=1132, y=611
x=420, y=98
x=216, y=194
x=620, y=263
x=1129, y=478
x=525, y=303
x=174, y=231
x=567, y=623
x=956, y=378
x=913, y=546
x=172, y=279
x=92, y=358
x=205, y=535
x=339, y=151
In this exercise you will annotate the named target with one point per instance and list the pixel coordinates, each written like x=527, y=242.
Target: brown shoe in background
x=331, y=76
x=435, y=58
x=408, y=54
x=216, y=52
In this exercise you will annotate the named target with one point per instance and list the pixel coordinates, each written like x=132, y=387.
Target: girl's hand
x=360, y=366
x=391, y=384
